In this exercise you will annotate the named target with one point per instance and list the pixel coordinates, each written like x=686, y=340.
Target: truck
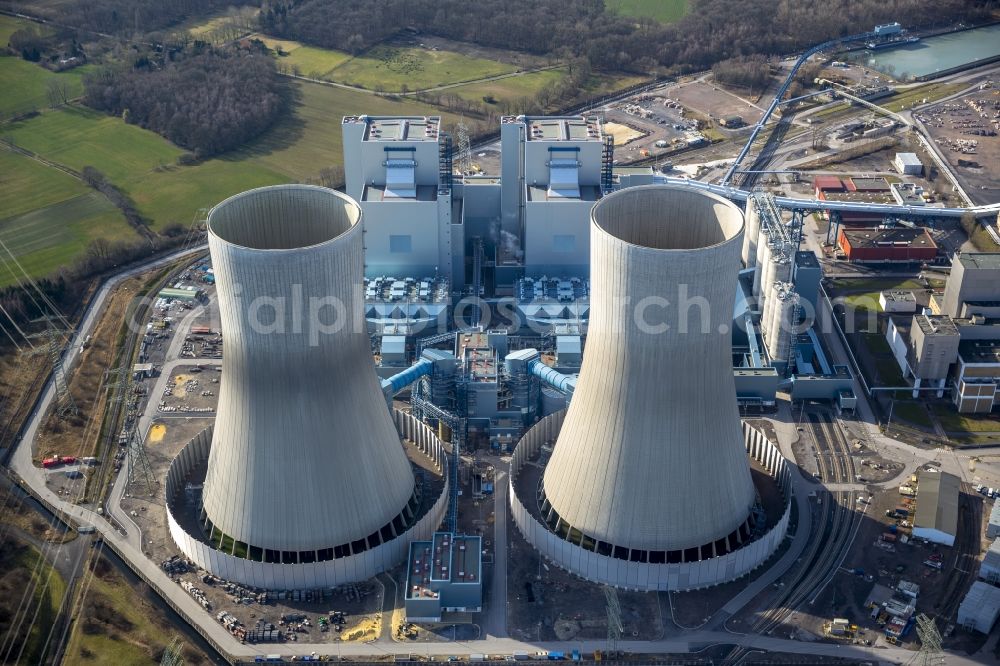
x=55, y=461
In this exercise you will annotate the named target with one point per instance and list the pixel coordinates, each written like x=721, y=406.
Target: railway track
x=965, y=565
x=831, y=540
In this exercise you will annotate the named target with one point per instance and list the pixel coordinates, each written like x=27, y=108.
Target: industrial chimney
x=650, y=464
x=306, y=464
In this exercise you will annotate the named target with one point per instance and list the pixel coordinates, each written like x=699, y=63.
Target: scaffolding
x=445, y=166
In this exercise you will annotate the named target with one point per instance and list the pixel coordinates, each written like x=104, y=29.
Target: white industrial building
x=936, y=515
x=908, y=164
x=980, y=608
x=990, y=568
x=993, y=527
x=897, y=301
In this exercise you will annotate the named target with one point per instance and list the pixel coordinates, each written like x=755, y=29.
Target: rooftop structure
x=936, y=517
x=571, y=128
x=386, y=128
x=908, y=194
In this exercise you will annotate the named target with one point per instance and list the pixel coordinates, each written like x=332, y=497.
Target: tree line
x=714, y=30
x=208, y=100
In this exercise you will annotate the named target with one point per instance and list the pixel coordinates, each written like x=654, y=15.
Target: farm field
x=143, y=164
x=664, y=11
x=392, y=67
x=49, y=217
x=514, y=88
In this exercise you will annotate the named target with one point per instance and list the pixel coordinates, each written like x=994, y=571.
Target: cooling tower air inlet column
x=650, y=464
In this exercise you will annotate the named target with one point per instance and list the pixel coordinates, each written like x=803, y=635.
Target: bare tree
x=57, y=91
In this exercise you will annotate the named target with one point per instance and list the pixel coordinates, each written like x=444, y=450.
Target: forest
x=714, y=30
x=203, y=99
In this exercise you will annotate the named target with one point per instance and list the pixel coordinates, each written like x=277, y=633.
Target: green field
x=914, y=412
x=306, y=60
x=9, y=24
x=952, y=421
x=391, y=67
x=24, y=566
x=665, y=11
x=523, y=86
x=49, y=217
x=143, y=164
x=25, y=84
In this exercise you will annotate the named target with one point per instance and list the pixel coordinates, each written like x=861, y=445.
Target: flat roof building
x=908, y=163
x=977, y=376
x=936, y=517
x=897, y=300
x=974, y=280
x=443, y=575
x=980, y=608
x=990, y=568
x=900, y=244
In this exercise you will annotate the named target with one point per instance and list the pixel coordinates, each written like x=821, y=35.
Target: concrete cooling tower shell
x=651, y=456
x=304, y=455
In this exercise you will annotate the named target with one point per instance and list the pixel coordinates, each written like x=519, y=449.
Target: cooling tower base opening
x=715, y=563
x=277, y=569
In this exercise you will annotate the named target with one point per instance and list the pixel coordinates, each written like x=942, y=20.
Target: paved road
x=495, y=622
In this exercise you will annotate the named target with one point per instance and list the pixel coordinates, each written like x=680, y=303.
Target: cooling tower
x=650, y=462
x=305, y=459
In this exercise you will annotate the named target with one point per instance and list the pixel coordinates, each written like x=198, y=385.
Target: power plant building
x=444, y=574
x=973, y=287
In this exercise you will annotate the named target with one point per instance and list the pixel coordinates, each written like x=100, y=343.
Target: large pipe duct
x=650, y=462
x=305, y=459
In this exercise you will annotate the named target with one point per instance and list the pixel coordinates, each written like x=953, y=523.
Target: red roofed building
x=896, y=244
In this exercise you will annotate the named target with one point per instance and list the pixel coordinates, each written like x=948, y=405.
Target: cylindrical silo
x=651, y=457
x=750, y=234
x=306, y=463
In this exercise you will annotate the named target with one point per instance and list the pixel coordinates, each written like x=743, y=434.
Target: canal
x=935, y=54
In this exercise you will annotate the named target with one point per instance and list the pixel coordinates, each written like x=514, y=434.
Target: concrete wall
x=416, y=220
x=544, y=220
x=331, y=573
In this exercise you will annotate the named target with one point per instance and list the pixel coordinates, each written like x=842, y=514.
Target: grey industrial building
x=926, y=351
x=936, y=515
x=973, y=286
x=443, y=574
x=980, y=608
x=993, y=524
x=989, y=570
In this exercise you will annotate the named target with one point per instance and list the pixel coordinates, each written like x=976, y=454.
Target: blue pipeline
x=550, y=376
x=398, y=382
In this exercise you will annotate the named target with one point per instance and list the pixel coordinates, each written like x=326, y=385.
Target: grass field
x=49, y=217
x=24, y=565
x=916, y=96
x=392, y=67
x=9, y=24
x=914, y=412
x=307, y=60
x=952, y=421
x=118, y=625
x=514, y=88
x=143, y=163
x=664, y=11
x=25, y=84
